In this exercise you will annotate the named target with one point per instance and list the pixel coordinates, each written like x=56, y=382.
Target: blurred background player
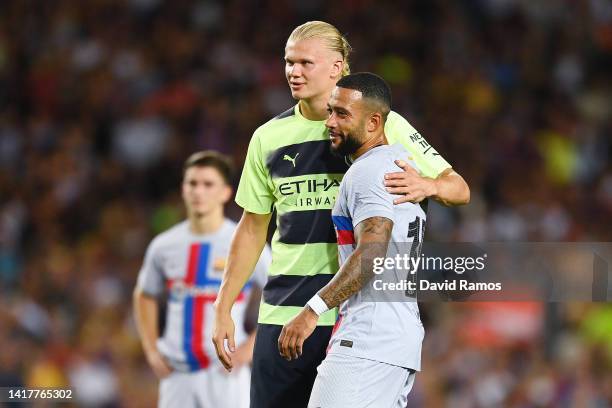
x=188, y=260
x=289, y=167
x=376, y=345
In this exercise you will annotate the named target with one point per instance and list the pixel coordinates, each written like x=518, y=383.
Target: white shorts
x=211, y=388
x=352, y=382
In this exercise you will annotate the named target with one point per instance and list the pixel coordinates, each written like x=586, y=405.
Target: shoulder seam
x=164, y=234
x=289, y=113
x=286, y=114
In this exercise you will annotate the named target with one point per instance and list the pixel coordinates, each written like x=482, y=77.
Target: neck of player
x=315, y=108
x=208, y=223
x=374, y=141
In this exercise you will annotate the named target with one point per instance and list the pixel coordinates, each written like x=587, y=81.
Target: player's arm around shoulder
x=436, y=179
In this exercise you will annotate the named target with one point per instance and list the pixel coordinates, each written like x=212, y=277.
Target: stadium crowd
x=101, y=101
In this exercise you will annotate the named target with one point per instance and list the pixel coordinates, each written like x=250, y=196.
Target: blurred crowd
x=101, y=101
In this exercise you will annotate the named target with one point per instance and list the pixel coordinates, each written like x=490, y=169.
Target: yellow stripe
x=280, y=315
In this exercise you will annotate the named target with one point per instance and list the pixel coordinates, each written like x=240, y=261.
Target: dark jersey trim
x=306, y=227
x=424, y=204
x=286, y=114
x=305, y=158
x=293, y=290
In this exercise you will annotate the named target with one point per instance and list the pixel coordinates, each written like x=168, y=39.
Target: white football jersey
x=190, y=267
x=378, y=325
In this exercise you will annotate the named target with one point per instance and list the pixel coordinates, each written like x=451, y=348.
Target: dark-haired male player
x=188, y=261
x=376, y=345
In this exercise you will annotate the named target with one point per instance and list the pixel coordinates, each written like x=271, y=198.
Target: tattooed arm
x=372, y=236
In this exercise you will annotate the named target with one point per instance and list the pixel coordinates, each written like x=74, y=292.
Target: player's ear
x=184, y=188
x=337, y=68
x=226, y=194
x=374, y=122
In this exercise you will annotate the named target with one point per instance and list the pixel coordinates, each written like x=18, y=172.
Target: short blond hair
x=329, y=34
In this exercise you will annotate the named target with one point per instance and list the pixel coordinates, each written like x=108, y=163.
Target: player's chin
x=301, y=92
x=297, y=94
x=200, y=211
x=336, y=149
x=335, y=141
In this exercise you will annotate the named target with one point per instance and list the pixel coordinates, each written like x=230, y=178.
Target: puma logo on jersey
x=288, y=158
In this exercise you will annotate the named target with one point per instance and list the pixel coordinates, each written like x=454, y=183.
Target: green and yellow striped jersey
x=289, y=167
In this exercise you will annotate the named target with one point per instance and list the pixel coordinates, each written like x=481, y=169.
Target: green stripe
x=303, y=259
x=281, y=315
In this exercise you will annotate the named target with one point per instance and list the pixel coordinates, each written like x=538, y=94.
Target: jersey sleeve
x=151, y=275
x=428, y=160
x=367, y=195
x=254, y=193
x=260, y=275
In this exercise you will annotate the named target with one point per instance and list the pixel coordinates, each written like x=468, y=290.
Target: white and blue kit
x=376, y=345
x=190, y=268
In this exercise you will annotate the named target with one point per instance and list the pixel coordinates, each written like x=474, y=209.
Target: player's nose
x=200, y=189
x=295, y=71
x=330, y=123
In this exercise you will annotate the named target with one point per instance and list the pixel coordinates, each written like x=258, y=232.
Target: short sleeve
x=428, y=160
x=254, y=194
x=151, y=275
x=260, y=276
x=368, y=196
